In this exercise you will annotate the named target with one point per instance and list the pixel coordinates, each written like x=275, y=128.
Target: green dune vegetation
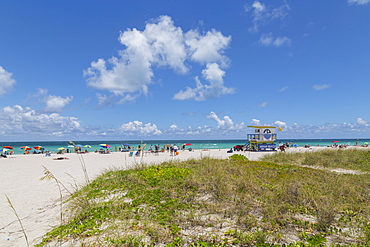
x=287, y=199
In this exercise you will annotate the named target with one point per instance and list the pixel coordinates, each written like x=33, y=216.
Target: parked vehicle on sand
x=238, y=147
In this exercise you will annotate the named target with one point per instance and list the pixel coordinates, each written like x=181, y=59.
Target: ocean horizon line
x=185, y=140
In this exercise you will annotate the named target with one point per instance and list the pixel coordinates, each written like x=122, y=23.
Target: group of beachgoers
x=7, y=152
x=283, y=146
x=172, y=149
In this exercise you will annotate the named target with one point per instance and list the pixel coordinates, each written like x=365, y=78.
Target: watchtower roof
x=253, y=126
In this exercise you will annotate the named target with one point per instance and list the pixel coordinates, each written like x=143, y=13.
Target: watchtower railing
x=258, y=137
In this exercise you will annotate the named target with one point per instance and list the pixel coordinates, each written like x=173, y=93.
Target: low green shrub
x=239, y=157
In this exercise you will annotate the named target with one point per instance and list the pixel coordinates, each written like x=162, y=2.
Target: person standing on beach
x=175, y=149
x=281, y=147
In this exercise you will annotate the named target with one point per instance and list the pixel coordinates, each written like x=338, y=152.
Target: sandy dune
x=37, y=201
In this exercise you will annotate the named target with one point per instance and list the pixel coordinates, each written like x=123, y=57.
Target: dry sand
x=37, y=201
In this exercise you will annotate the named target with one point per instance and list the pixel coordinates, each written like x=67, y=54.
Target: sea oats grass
x=18, y=219
x=211, y=202
x=350, y=158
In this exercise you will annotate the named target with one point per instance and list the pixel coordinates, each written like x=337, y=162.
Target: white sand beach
x=37, y=201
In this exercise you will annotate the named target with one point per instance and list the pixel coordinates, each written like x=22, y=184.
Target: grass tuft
x=19, y=220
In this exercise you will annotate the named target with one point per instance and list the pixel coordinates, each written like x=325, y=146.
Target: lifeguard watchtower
x=263, y=138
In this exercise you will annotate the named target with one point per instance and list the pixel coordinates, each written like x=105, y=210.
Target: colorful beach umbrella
x=87, y=146
x=8, y=147
x=104, y=145
x=39, y=148
x=61, y=148
x=26, y=148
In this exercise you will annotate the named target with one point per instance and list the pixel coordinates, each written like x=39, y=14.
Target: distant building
x=263, y=138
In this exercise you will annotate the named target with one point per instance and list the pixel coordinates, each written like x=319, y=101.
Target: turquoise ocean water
x=53, y=146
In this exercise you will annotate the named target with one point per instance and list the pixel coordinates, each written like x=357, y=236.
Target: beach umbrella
x=188, y=144
x=70, y=146
x=335, y=141
x=61, y=148
x=26, y=148
x=8, y=147
x=39, y=148
x=87, y=146
x=104, y=145
x=79, y=145
x=126, y=144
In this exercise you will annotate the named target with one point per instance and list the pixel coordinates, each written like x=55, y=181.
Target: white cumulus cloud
x=160, y=44
x=221, y=123
x=215, y=88
x=256, y=122
x=19, y=121
x=362, y=121
x=53, y=103
x=6, y=81
x=175, y=127
x=56, y=103
x=139, y=128
x=207, y=48
x=280, y=123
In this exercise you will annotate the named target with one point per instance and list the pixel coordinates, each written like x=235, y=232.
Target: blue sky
x=136, y=70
